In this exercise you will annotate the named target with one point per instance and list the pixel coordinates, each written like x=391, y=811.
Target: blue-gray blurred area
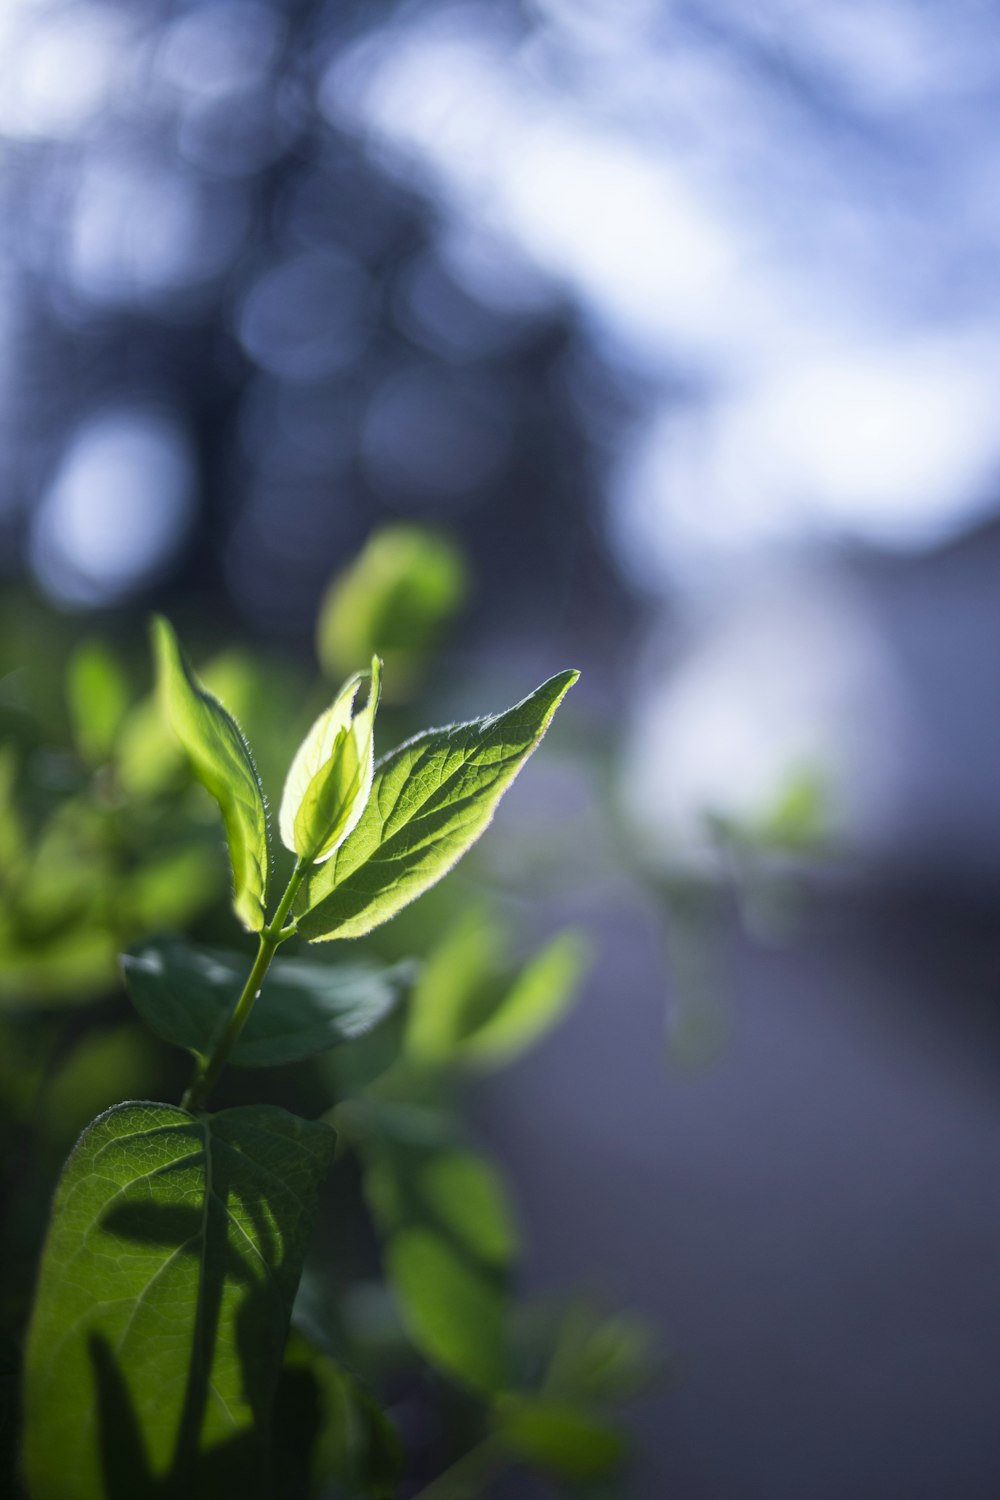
x=684, y=318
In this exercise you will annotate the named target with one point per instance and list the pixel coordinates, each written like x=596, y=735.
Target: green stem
x=271, y=938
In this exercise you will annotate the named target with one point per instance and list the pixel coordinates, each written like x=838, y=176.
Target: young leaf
x=172, y=1259
x=185, y=995
x=430, y=800
x=330, y=777
x=223, y=764
x=453, y=1312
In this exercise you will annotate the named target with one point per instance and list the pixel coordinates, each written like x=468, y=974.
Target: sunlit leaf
x=431, y=799
x=223, y=764
x=330, y=777
x=395, y=599
x=453, y=1311
x=185, y=995
x=166, y=1286
x=559, y=1437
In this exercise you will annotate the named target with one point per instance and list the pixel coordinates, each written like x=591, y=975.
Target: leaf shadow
x=239, y=1464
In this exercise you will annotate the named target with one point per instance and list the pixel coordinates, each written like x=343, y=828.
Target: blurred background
x=678, y=326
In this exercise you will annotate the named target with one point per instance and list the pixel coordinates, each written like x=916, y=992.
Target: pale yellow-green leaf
x=430, y=801
x=222, y=762
x=330, y=778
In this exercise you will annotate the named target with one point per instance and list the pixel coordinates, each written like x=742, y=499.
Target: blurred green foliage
x=409, y=1299
x=397, y=598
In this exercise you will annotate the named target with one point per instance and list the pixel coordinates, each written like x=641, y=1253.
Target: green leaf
x=457, y=972
x=559, y=1437
x=395, y=599
x=186, y=994
x=463, y=1012
x=353, y=1442
x=453, y=1312
x=539, y=997
x=431, y=799
x=330, y=778
x=451, y=1191
x=166, y=1286
x=467, y=1196
x=223, y=764
x=601, y=1358
x=98, y=695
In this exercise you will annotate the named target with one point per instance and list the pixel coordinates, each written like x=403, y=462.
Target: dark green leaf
x=453, y=1312
x=430, y=801
x=354, y=1444
x=166, y=1286
x=185, y=995
x=221, y=760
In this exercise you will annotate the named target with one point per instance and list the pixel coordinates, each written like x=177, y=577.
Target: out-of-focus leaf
x=600, y=1358
x=395, y=600
x=389, y=1120
x=68, y=874
x=451, y=1191
x=223, y=764
x=173, y=886
x=468, y=1198
x=443, y=1007
x=453, y=1311
x=330, y=776
x=146, y=759
x=68, y=968
x=462, y=1014
x=186, y=994
x=354, y=1444
x=103, y=1067
x=166, y=1286
x=558, y=1437
x=12, y=836
x=801, y=816
x=539, y=997
x=98, y=696
x=431, y=799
